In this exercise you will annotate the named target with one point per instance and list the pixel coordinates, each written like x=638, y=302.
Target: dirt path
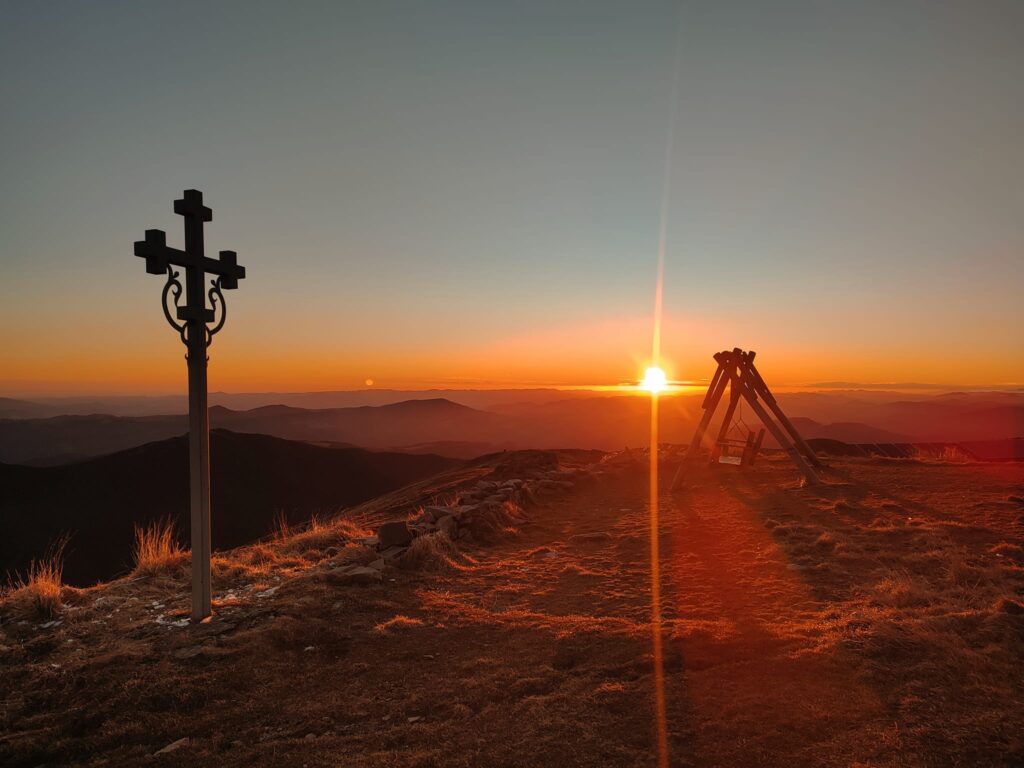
x=746, y=682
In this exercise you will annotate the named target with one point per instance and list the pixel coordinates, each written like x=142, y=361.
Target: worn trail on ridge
x=746, y=684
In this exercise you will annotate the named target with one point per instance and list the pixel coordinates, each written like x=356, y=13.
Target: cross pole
x=190, y=321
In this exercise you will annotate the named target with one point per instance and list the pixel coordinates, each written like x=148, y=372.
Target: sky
x=468, y=193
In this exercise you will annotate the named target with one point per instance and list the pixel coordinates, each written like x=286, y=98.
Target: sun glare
x=654, y=380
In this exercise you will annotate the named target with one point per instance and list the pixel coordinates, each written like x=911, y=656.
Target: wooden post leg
x=718, y=384
x=762, y=389
x=747, y=459
x=756, y=447
x=199, y=471
x=787, y=445
x=734, y=399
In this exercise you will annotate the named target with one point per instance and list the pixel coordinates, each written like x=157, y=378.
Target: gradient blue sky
x=441, y=192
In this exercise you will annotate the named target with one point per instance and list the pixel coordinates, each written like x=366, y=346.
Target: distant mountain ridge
x=253, y=478
x=59, y=438
x=11, y=408
x=607, y=422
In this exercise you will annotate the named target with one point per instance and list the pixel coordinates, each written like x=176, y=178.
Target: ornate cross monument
x=192, y=321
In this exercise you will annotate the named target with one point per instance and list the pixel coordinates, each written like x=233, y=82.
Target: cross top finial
x=161, y=259
x=191, y=204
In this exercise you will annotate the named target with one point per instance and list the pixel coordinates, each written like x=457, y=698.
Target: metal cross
x=190, y=320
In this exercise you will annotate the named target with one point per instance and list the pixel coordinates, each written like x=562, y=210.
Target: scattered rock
x=377, y=565
x=436, y=513
x=355, y=574
x=448, y=526
x=393, y=534
x=463, y=511
x=392, y=553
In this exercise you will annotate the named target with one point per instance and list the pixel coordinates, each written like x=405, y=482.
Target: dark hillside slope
x=97, y=502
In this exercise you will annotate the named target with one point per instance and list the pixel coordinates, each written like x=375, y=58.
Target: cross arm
x=155, y=251
x=228, y=269
x=158, y=255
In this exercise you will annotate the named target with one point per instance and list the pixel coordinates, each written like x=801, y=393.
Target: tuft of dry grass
x=446, y=500
x=37, y=595
x=282, y=528
x=962, y=573
x=493, y=522
x=157, y=549
x=318, y=534
x=1012, y=552
x=396, y=624
x=901, y=590
x=434, y=553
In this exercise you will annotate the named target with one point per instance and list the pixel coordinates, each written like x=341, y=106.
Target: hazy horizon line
x=678, y=387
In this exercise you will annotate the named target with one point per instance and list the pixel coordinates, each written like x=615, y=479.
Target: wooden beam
x=756, y=447
x=719, y=382
x=780, y=436
x=734, y=398
x=762, y=387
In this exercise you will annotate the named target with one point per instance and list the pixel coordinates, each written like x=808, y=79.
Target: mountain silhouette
x=254, y=478
x=60, y=439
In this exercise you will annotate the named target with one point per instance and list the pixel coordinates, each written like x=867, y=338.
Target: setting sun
x=654, y=380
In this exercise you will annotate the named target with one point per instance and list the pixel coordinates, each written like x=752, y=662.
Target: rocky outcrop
x=483, y=509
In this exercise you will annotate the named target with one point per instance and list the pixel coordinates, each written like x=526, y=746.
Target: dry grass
x=317, y=535
x=491, y=523
x=396, y=624
x=157, y=549
x=450, y=499
x=37, y=595
x=434, y=553
x=294, y=548
x=901, y=590
x=282, y=528
x=889, y=642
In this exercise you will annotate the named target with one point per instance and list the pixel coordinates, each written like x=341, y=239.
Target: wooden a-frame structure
x=737, y=372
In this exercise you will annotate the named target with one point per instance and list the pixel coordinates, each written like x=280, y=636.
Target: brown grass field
x=876, y=620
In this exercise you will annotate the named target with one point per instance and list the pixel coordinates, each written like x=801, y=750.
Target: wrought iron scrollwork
x=216, y=300
x=171, y=300
x=173, y=289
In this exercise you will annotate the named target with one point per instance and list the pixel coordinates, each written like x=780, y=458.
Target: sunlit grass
x=156, y=548
x=37, y=595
